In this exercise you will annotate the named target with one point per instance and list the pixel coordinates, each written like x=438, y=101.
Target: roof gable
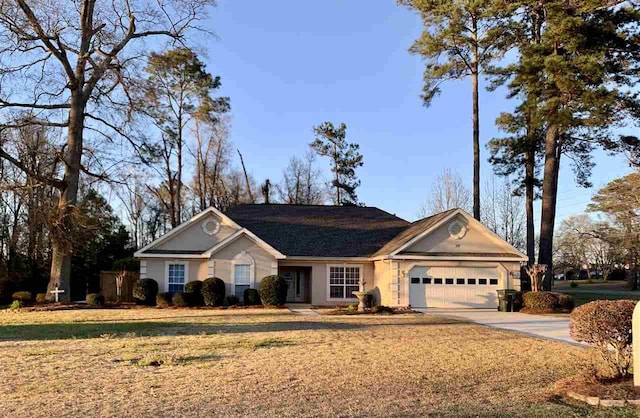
x=194, y=236
x=432, y=237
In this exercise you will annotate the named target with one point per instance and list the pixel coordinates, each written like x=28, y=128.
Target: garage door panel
x=454, y=287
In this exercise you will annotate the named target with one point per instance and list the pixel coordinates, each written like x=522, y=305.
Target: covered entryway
x=454, y=287
x=299, y=281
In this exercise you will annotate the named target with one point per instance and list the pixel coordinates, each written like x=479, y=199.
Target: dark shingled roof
x=320, y=231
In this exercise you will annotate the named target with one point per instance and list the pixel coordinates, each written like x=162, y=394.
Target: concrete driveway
x=543, y=326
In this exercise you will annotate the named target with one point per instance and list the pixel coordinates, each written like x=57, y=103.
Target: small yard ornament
x=536, y=273
x=56, y=292
x=635, y=333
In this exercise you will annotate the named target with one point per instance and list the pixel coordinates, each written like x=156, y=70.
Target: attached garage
x=454, y=287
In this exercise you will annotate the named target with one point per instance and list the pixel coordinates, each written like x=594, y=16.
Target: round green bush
x=41, y=297
x=95, y=299
x=573, y=284
x=22, y=296
x=273, y=291
x=194, y=289
x=251, y=297
x=548, y=302
x=145, y=291
x=232, y=300
x=6, y=290
x=163, y=299
x=16, y=304
x=606, y=325
x=213, y=291
x=180, y=299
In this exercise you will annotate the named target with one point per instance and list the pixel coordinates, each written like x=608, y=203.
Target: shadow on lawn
x=81, y=330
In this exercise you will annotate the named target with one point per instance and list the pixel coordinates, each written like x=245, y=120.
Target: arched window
x=243, y=273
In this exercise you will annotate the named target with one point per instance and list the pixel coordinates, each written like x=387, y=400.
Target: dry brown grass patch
x=153, y=362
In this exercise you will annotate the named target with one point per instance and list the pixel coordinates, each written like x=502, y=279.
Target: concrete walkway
x=302, y=309
x=543, y=326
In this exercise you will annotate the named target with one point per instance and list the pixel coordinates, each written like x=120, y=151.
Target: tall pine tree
x=581, y=73
x=459, y=39
x=345, y=159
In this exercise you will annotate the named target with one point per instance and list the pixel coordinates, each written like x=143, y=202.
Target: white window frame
x=166, y=272
x=243, y=258
x=359, y=266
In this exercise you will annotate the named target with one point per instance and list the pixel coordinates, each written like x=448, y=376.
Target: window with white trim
x=241, y=278
x=176, y=277
x=343, y=281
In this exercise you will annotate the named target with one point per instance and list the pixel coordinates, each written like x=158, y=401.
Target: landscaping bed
x=353, y=310
x=589, y=386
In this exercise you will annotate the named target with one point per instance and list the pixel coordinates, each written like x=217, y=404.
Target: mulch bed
x=599, y=392
x=343, y=311
x=65, y=306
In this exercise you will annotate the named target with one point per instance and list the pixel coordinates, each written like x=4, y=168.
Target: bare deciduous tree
x=447, y=192
x=75, y=59
x=301, y=182
x=503, y=212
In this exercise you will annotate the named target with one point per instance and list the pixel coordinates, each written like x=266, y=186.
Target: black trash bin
x=506, y=300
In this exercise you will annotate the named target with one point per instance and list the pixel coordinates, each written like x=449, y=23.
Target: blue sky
x=290, y=65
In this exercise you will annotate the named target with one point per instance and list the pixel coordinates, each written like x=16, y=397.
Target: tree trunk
x=62, y=230
x=529, y=181
x=549, y=196
x=476, y=125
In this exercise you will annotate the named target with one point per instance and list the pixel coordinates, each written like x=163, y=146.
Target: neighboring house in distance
x=327, y=252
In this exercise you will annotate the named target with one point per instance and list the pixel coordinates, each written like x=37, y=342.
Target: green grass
x=582, y=298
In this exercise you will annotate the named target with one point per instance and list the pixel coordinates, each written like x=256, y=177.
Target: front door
x=297, y=282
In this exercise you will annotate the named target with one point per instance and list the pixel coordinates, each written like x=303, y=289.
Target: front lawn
x=582, y=298
x=153, y=362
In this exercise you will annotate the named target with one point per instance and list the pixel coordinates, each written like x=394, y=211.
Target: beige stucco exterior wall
x=474, y=241
x=320, y=278
x=221, y=263
x=193, y=238
x=156, y=268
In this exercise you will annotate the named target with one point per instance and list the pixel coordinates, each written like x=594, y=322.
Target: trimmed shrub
x=41, y=297
x=381, y=309
x=126, y=264
x=232, y=300
x=565, y=302
x=213, y=291
x=163, y=299
x=22, y=296
x=273, y=291
x=180, y=299
x=548, y=301
x=194, y=291
x=16, y=304
x=352, y=308
x=95, y=299
x=145, y=291
x=606, y=325
x=251, y=297
x=6, y=290
x=573, y=284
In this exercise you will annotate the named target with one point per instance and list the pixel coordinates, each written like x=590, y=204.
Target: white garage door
x=454, y=287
